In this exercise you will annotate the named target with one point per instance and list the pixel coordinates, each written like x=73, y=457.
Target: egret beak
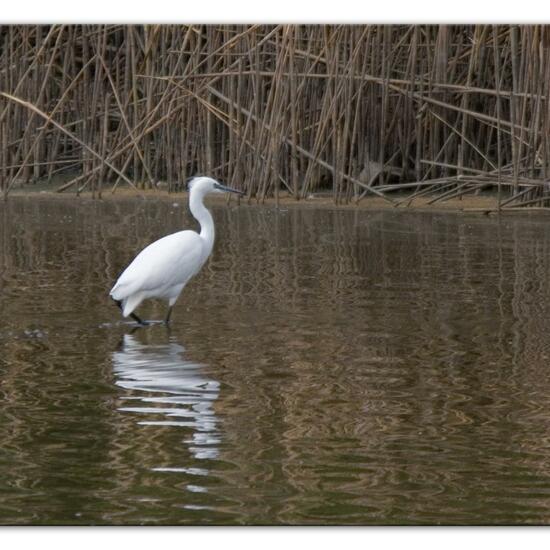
x=226, y=189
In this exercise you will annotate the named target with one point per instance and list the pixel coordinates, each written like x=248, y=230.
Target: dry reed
x=350, y=110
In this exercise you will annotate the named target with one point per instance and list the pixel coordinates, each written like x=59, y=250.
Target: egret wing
x=170, y=261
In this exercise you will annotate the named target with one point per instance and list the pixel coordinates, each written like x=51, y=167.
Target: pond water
x=326, y=367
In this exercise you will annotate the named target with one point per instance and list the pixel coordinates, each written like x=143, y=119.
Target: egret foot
x=132, y=315
x=167, y=319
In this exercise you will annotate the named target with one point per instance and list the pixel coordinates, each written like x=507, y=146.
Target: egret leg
x=132, y=315
x=138, y=319
x=167, y=320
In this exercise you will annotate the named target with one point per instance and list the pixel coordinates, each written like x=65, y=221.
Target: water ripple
x=326, y=367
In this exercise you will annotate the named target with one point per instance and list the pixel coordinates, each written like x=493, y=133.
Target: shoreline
x=481, y=204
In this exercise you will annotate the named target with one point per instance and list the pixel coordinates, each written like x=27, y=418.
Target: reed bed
x=398, y=111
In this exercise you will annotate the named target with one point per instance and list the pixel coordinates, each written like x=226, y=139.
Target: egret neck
x=203, y=216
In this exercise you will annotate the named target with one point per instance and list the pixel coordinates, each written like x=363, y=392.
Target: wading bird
x=163, y=268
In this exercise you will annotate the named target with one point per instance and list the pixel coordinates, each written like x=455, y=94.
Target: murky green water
x=326, y=367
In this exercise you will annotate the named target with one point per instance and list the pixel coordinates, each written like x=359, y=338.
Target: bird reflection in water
x=168, y=386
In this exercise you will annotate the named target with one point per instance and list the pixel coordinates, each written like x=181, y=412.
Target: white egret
x=163, y=268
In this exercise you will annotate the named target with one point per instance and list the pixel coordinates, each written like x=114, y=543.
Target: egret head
x=203, y=185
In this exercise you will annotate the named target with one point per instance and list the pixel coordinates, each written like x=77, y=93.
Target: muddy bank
x=483, y=204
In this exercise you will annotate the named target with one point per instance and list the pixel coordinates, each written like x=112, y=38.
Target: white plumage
x=162, y=269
